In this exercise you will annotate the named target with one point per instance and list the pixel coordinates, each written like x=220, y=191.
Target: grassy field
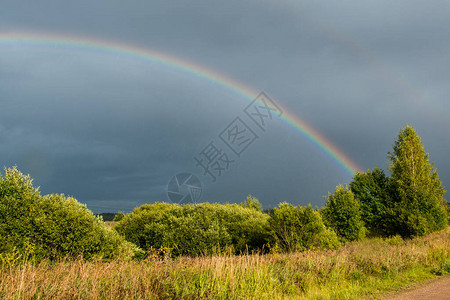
x=360, y=270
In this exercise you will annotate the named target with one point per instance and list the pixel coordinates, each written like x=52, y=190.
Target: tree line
x=410, y=202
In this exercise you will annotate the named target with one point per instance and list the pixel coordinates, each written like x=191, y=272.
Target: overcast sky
x=112, y=130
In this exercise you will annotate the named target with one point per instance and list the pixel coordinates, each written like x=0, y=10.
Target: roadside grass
x=365, y=269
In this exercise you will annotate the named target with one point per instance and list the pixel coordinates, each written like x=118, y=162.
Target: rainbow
x=190, y=68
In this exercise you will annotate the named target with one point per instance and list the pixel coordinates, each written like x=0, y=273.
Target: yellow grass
x=110, y=224
x=359, y=270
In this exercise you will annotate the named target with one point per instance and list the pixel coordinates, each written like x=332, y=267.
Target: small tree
x=372, y=191
x=342, y=213
x=253, y=203
x=298, y=228
x=418, y=204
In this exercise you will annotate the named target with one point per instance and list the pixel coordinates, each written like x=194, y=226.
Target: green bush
x=119, y=216
x=196, y=229
x=448, y=211
x=52, y=226
x=372, y=191
x=18, y=201
x=298, y=228
x=342, y=213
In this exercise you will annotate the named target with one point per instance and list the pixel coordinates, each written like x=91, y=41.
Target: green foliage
x=106, y=217
x=52, y=226
x=253, y=203
x=395, y=240
x=418, y=205
x=196, y=229
x=298, y=228
x=409, y=203
x=448, y=212
x=18, y=201
x=119, y=216
x=342, y=213
x=372, y=190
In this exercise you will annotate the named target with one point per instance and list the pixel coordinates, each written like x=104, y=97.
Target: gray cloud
x=112, y=130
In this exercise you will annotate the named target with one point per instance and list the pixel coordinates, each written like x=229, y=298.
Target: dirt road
x=435, y=289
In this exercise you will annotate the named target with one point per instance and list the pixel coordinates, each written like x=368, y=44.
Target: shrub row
x=211, y=228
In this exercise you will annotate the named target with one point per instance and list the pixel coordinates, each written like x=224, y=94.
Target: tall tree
x=418, y=203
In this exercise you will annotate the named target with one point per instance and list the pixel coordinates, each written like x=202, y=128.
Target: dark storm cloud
x=113, y=130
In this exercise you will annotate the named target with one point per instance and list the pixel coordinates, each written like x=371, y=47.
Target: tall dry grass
x=363, y=269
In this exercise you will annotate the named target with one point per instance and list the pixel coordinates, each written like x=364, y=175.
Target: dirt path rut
x=435, y=289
